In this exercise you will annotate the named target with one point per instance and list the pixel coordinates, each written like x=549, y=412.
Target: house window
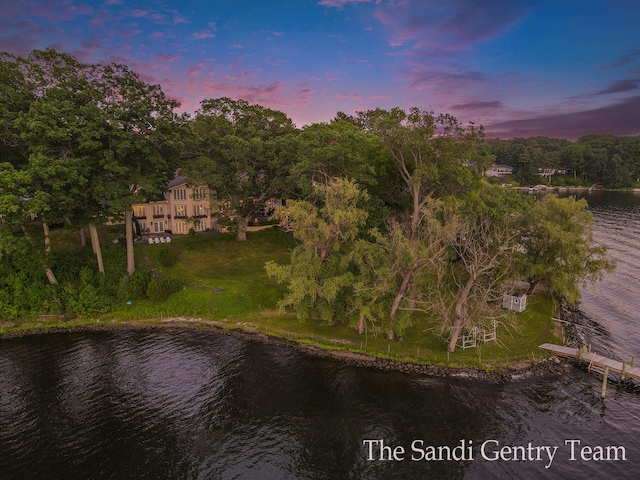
x=199, y=210
x=158, y=210
x=143, y=227
x=138, y=211
x=181, y=210
x=180, y=194
x=200, y=193
x=158, y=227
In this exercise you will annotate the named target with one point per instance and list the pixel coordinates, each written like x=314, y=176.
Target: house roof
x=177, y=181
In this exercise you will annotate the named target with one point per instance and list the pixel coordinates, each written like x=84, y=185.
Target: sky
x=521, y=68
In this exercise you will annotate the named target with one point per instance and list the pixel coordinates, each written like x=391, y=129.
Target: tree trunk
x=361, y=324
x=455, y=333
x=47, y=238
x=95, y=245
x=83, y=238
x=128, y=229
x=242, y=223
x=459, y=318
x=50, y=275
x=396, y=302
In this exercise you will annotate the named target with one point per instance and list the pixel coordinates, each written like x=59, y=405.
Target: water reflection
x=190, y=404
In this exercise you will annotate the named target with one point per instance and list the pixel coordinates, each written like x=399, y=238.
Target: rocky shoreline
x=501, y=374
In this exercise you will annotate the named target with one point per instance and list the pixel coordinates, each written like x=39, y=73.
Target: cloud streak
x=619, y=118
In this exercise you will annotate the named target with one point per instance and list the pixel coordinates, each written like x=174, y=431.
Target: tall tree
x=141, y=143
x=468, y=289
x=319, y=277
x=556, y=239
x=243, y=153
x=430, y=151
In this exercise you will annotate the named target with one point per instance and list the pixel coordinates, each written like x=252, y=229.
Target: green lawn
x=249, y=298
x=225, y=282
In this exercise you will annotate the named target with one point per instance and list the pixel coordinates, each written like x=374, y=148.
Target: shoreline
x=501, y=374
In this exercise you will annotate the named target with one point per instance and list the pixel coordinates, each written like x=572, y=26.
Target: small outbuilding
x=515, y=301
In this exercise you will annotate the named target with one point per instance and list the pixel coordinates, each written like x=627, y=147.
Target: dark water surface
x=190, y=404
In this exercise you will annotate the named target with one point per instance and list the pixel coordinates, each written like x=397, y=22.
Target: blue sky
x=519, y=67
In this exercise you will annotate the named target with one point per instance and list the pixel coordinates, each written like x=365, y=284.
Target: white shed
x=515, y=301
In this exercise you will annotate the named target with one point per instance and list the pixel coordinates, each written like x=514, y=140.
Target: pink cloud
x=138, y=13
x=194, y=70
x=342, y=95
x=619, y=118
x=378, y=96
x=451, y=25
x=202, y=34
x=340, y=3
x=167, y=57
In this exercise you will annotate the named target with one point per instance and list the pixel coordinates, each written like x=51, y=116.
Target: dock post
x=624, y=367
x=633, y=361
x=589, y=348
x=604, y=381
x=579, y=355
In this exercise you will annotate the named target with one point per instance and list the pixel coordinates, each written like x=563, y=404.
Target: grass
x=226, y=282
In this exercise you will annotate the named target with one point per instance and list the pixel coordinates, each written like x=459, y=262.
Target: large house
x=183, y=208
x=499, y=170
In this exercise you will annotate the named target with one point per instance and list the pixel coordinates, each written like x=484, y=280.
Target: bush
x=160, y=289
x=67, y=265
x=135, y=286
x=167, y=257
x=90, y=301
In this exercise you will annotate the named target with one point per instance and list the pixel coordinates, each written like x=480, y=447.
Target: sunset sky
x=559, y=68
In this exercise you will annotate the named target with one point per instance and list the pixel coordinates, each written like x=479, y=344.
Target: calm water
x=192, y=404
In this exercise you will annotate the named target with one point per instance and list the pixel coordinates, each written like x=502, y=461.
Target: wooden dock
x=597, y=363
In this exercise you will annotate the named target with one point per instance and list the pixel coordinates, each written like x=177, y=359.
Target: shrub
x=168, y=257
x=67, y=265
x=90, y=301
x=160, y=288
x=135, y=286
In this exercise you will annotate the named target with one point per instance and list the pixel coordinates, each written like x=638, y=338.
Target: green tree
x=243, y=153
x=431, y=152
x=388, y=268
x=556, y=239
x=319, y=278
x=339, y=149
x=142, y=140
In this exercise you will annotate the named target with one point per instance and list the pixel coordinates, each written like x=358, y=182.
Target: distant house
x=182, y=209
x=499, y=170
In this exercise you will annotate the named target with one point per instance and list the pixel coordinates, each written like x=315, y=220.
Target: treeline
x=388, y=208
x=612, y=161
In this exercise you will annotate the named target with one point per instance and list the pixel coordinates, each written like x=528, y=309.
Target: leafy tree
x=241, y=152
x=558, y=248
x=466, y=292
x=339, y=149
x=141, y=143
x=388, y=268
x=319, y=278
x=430, y=152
